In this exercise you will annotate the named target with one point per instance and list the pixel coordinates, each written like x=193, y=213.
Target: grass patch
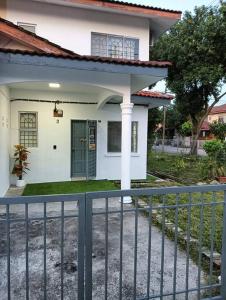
x=151, y=178
x=69, y=187
x=211, y=214
x=187, y=168
x=203, y=224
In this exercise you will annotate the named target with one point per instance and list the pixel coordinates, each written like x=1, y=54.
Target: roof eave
x=80, y=64
x=152, y=102
x=119, y=7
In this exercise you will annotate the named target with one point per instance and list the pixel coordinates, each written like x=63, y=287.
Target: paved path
x=174, y=150
x=18, y=271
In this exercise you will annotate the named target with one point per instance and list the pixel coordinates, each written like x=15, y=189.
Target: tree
x=219, y=130
x=154, y=118
x=196, y=46
x=174, y=120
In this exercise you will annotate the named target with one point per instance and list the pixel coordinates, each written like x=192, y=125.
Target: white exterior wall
x=4, y=140
x=49, y=165
x=71, y=27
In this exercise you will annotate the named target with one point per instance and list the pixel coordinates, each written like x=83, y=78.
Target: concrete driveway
x=36, y=257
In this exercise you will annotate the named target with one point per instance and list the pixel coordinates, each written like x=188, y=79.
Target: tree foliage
x=196, y=46
x=218, y=129
x=186, y=129
x=154, y=118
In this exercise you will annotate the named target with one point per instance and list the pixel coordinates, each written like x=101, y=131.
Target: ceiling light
x=54, y=85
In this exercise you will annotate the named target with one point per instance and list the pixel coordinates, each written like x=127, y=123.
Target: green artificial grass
x=69, y=187
x=151, y=178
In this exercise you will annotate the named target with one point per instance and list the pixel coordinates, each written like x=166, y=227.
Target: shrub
x=215, y=166
x=213, y=147
x=186, y=129
x=219, y=130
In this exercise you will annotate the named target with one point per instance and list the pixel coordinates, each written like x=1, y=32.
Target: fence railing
x=177, y=145
x=169, y=244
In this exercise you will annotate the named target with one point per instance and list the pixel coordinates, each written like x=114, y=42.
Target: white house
x=87, y=60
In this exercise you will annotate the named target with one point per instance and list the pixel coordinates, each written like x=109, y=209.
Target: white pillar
x=127, y=108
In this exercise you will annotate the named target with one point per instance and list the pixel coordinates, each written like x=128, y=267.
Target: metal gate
x=92, y=246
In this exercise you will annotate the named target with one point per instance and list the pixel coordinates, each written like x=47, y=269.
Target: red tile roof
x=43, y=47
x=128, y=7
x=152, y=94
x=205, y=126
x=140, y=5
x=109, y=60
x=26, y=37
x=218, y=109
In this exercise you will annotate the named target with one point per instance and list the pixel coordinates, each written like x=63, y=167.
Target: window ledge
x=118, y=154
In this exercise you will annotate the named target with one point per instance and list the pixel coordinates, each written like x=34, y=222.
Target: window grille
x=28, y=133
x=114, y=46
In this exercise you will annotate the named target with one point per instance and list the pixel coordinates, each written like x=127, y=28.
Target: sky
x=175, y=4
x=182, y=5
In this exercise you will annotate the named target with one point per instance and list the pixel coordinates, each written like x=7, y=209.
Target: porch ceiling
x=94, y=94
x=28, y=67
x=65, y=87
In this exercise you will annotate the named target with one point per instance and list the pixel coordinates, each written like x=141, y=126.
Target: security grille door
x=83, y=152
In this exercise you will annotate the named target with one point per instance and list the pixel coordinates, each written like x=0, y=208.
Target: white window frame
x=137, y=130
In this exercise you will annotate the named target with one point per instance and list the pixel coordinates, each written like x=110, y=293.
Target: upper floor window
x=27, y=26
x=114, y=46
x=28, y=131
x=220, y=120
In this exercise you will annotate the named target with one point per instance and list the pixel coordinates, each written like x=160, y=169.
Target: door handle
x=83, y=140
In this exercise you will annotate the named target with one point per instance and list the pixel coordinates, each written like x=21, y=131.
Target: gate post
x=223, y=258
x=81, y=246
x=88, y=247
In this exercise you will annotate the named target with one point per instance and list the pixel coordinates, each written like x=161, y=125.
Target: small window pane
x=114, y=136
x=27, y=26
x=28, y=130
x=134, y=137
x=115, y=46
x=131, y=48
x=99, y=45
x=27, y=120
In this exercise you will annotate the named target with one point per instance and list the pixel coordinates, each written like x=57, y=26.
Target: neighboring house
x=75, y=101
x=205, y=131
x=218, y=113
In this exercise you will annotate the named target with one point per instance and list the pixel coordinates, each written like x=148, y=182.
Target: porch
x=92, y=93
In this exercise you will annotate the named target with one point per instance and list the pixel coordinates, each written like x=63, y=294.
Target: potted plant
x=20, y=164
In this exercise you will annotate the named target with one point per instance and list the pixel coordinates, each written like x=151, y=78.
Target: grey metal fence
x=177, y=146
x=169, y=244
